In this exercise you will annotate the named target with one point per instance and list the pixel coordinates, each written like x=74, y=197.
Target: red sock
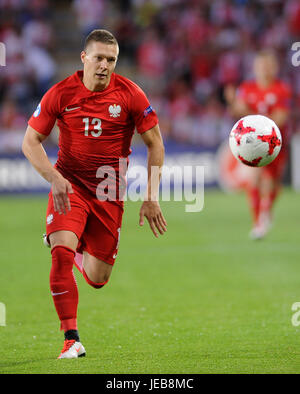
x=266, y=204
x=63, y=286
x=267, y=201
x=254, y=199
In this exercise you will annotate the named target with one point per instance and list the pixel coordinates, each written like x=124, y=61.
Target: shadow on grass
x=6, y=367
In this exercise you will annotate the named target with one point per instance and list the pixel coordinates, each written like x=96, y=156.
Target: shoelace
x=67, y=344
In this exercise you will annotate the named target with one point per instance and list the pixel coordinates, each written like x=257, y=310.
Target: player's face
x=265, y=68
x=99, y=61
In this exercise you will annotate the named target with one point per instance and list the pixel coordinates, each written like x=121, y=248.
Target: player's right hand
x=61, y=187
x=229, y=93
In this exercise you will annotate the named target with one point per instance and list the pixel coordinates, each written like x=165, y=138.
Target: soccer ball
x=255, y=140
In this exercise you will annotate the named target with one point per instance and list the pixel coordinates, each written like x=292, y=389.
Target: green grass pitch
x=201, y=299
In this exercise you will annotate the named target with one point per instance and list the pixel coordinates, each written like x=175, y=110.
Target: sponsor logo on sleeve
x=37, y=111
x=148, y=111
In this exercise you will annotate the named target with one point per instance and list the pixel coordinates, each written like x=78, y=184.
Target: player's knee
x=63, y=238
x=102, y=281
x=96, y=283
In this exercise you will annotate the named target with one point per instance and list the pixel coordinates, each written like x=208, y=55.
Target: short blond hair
x=267, y=53
x=100, y=35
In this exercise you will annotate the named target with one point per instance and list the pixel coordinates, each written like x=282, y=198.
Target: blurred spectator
x=292, y=17
x=26, y=31
x=37, y=33
x=90, y=14
x=145, y=11
x=182, y=52
x=10, y=117
x=151, y=55
x=229, y=66
x=42, y=67
x=12, y=126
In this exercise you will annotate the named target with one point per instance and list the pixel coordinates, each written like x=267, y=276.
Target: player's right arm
x=237, y=106
x=40, y=126
x=33, y=150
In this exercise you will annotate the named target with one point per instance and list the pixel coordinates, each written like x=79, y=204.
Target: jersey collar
x=78, y=77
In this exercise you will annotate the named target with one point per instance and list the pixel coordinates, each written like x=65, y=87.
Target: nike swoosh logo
x=71, y=109
x=56, y=294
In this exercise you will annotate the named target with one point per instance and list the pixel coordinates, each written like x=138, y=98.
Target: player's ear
x=115, y=63
x=82, y=56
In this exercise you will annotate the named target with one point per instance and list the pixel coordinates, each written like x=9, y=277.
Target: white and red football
x=255, y=140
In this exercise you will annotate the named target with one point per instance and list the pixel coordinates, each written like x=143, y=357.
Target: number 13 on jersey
x=97, y=130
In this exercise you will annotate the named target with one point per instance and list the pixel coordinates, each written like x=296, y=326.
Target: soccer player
x=97, y=112
x=265, y=95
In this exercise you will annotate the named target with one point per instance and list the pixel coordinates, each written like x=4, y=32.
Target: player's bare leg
x=269, y=191
x=266, y=189
x=64, y=290
x=66, y=238
x=96, y=272
x=254, y=194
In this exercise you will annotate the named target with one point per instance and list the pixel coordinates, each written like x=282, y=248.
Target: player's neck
x=92, y=86
x=264, y=82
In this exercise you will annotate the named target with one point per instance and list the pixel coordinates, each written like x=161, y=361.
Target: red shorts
x=97, y=224
x=275, y=169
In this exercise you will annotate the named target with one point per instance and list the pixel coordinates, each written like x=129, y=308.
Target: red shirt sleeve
x=46, y=113
x=143, y=114
x=283, y=98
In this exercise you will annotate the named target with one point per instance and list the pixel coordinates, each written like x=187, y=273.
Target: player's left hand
x=151, y=210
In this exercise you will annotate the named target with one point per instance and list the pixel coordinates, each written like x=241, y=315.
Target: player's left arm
x=236, y=101
x=150, y=207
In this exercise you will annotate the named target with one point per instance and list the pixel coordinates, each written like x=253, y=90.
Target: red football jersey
x=264, y=101
x=95, y=128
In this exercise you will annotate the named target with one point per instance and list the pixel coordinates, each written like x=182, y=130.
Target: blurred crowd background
x=182, y=52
